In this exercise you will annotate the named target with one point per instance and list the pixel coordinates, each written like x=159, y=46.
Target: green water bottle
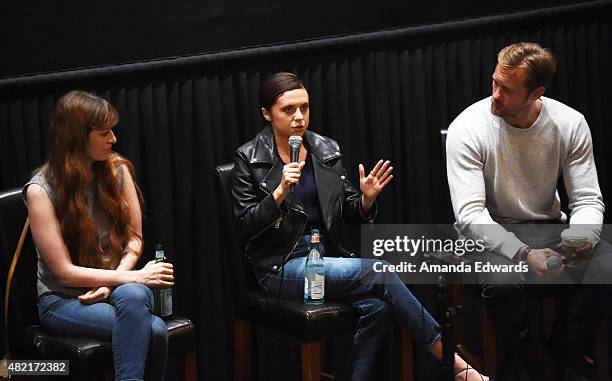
x=162, y=294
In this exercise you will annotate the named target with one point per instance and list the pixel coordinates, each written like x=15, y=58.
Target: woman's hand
x=156, y=274
x=291, y=175
x=95, y=295
x=372, y=184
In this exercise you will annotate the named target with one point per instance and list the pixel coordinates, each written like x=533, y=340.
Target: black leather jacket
x=270, y=233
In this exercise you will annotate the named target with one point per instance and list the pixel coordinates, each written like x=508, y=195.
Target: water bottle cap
x=315, y=236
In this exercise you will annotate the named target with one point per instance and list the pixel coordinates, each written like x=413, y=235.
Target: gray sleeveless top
x=47, y=282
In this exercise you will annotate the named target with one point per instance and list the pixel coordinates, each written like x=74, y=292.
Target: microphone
x=295, y=142
x=553, y=263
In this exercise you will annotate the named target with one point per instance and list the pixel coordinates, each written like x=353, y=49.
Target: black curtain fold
x=381, y=95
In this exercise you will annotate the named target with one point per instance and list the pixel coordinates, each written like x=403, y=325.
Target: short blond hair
x=538, y=61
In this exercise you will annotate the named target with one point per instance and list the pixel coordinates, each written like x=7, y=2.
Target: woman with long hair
x=274, y=222
x=85, y=215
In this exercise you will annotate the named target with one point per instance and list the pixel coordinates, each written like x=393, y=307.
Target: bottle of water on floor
x=314, y=271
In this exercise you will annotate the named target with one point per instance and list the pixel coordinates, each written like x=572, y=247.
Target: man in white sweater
x=505, y=155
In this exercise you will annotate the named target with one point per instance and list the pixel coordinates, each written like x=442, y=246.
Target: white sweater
x=500, y=174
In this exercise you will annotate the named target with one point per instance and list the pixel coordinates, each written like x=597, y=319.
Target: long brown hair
x=76, y=114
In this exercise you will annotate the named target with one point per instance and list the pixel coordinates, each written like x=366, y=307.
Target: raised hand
x=372, y=184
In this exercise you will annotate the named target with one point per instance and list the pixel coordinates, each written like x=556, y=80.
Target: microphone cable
x=278, y=293
x=280, y=285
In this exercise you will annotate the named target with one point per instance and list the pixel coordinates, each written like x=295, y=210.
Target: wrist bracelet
x=525, y=254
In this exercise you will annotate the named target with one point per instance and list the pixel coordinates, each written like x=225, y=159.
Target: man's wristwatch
x=525, y=254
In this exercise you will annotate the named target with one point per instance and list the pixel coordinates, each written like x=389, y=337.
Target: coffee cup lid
x=573, y=236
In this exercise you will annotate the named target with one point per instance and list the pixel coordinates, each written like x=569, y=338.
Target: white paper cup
x=570, y=240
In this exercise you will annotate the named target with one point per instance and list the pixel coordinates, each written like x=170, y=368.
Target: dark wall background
x=44, y=36
x=380, y=94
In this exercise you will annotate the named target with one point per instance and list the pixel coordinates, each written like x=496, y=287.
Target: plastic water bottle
x=314, y=271
x=162, y=294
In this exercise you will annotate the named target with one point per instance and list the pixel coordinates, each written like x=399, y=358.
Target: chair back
x=243, y=280
x=22, y=310
x=443, y=134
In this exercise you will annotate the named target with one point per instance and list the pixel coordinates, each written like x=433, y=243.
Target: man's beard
x=505, y=113
x=497, y=112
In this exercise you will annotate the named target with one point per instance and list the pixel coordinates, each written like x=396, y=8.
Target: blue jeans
x=378, y=296
x=138, y=337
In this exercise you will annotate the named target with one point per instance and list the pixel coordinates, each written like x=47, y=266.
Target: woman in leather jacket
x=274, y=223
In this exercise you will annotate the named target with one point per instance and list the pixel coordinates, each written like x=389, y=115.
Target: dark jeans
x=378, y=296
x=138, y=337
x=506, y=294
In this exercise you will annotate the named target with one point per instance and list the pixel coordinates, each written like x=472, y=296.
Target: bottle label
x=314, y=288
x=165, y=297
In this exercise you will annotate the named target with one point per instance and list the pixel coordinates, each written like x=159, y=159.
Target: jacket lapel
x=329, y=181
x=264, y=156
x=328, y=194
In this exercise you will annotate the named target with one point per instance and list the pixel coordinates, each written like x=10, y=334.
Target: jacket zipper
x=278, y=221
x=299, y=231
x=274, y=223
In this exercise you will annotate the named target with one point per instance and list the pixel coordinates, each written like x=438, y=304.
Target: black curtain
x=138, y=31
x=381, y=95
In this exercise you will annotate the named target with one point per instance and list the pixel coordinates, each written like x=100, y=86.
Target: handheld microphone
x=295, y=142
x=553, y=263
